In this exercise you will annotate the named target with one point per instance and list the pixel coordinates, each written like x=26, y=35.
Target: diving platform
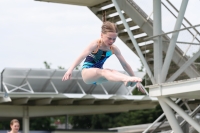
x=29, y=92
x=44, y=93
x=185, y=89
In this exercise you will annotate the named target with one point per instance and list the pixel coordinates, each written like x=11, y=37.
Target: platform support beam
x=157, y=29
x=25, y=119
x=170, y=116
x=181, y=113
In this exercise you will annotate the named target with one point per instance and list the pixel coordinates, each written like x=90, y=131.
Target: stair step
x=108, y=11
x=147, y=47
x=106, y=3
x=134, y=31
x=121, y=26
x=138, y=40
x=116, y=18
x=142, y=48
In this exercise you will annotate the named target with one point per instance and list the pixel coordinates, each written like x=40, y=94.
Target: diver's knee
x=105, y=72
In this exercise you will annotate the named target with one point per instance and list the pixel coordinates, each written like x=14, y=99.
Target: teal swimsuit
x=96, y=60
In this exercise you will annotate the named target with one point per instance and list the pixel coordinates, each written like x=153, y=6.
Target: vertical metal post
x=170, y=116
x=173, y=40
x=134, y=41
x=2, y=80
x=25, y=120
x=157, y=29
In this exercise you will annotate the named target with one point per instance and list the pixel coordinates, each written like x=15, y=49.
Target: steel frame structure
x=9, y=82
x=160, y=68
x=24, y=87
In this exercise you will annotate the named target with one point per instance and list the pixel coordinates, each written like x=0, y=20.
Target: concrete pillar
x=25, y=119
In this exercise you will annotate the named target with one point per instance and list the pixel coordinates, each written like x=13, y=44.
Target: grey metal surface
x=188, y=89
x=41, y=87
x=27, y=80
x=170, y=116
x=43, y=93
x=157, y=29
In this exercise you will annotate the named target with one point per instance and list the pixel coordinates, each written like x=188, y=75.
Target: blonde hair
x=108, y=26
x=13, y=121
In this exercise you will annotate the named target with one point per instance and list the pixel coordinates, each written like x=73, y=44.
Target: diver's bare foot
x=129, y=80
x=135, y=79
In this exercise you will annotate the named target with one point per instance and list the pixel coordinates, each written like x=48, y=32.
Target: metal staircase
x=141, y=26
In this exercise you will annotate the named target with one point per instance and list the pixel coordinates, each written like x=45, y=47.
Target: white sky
x=33, y=32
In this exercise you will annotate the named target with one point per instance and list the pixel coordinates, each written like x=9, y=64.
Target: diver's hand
x=67, y=76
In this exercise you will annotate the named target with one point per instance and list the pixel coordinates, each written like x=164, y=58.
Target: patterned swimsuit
x=96, y=60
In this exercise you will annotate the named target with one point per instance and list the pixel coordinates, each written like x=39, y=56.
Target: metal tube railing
x=148, y=38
